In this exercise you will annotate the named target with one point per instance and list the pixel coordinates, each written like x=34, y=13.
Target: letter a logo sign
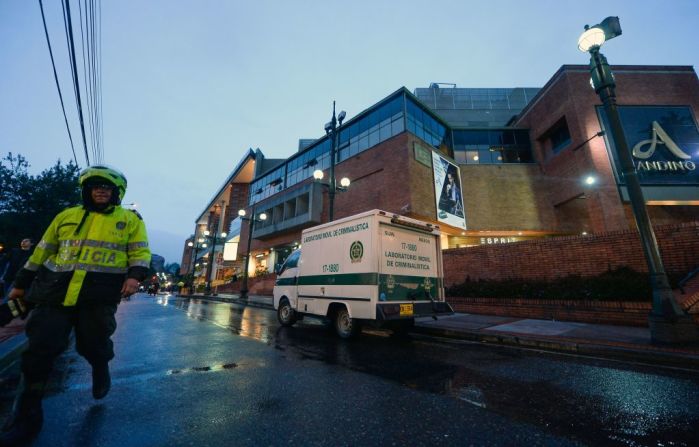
x=659, y=137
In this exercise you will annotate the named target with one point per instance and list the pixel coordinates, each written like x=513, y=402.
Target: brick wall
x=618, y=313
x=547, y=259
x=568, y=95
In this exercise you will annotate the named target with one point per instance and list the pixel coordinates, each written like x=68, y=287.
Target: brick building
x=490, y=166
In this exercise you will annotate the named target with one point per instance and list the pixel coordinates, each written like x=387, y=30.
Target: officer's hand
x=15, y=293
x=129, y=288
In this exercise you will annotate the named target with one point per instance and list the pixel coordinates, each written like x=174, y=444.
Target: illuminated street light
x=332, y=129
x=667, y=321
x=261, y=217
x=214, y=239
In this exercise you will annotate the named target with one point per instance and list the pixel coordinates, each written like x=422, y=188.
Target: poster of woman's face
x=447, y=185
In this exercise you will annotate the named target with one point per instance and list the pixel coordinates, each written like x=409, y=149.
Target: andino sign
x=664, y=144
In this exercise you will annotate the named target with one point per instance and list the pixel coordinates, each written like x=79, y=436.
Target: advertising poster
x=447, y=192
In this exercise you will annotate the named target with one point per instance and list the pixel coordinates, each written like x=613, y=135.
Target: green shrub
x=623, y=284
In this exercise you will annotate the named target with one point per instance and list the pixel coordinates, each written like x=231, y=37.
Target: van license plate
x=406, y=310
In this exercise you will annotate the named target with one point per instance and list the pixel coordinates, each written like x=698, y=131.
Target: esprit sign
x=644, y=150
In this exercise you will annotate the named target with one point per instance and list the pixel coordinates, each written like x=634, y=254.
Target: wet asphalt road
x=191, y=372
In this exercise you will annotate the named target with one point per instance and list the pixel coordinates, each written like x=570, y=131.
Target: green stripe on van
x=393, y=287
x=346, y=279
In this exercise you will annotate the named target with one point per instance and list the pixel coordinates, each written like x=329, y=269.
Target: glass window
x=292, y=261
x=267, y=185
x=560, y=137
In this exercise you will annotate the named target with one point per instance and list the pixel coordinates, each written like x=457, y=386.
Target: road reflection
x=622, y=405
x=241, y=320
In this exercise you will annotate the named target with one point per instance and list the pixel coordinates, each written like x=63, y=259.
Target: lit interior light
x=475, y=158
x=263, y=216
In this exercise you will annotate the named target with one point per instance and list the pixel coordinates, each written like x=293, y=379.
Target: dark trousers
x=48, y=333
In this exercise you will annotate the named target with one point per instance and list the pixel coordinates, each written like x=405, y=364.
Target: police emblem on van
x=120, y=225
x=356, y=251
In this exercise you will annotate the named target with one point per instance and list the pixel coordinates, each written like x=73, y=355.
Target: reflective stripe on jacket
x=85, y=255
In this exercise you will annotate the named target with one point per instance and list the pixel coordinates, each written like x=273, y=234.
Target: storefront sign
x=447, y=191
x=664, y=143
x=498, y=240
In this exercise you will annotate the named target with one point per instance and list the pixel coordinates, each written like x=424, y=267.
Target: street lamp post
x=667, y=321
x=332, y=129
x=210, y=264
x=252, y=219
x=196, y=244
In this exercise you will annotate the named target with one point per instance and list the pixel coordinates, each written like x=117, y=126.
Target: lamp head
x=341, y=116
x=344, y=182
x=224, y=234
x=241, y=213
x=263, y=216
x=590, y=180
x=190, y=244
x=318, y=174
x=595, y=36
x=328, y=127
x=206, y=232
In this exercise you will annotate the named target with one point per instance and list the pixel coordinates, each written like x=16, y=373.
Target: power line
x=58, y=86
x=69, y=35
x=87, y=84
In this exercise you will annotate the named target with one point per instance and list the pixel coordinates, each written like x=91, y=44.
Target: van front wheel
x=286, y=314
x=345, y=326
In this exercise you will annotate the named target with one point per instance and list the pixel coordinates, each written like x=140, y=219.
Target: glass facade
x=301, y=167
x=492, y=146
x=364, y=132
x=377, y=126
x=424, y=126
x=394, y=115
x=267, y=185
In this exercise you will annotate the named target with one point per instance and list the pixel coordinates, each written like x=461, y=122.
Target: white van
x=372, y=267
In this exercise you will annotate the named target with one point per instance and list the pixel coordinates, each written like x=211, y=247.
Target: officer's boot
x=101, y=381
x=27, y=416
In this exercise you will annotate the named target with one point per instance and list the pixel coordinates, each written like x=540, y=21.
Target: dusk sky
x=187, y=87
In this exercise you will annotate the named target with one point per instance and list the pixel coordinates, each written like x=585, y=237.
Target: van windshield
x=291, y=261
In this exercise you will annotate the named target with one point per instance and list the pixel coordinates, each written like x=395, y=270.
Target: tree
x=29, y=203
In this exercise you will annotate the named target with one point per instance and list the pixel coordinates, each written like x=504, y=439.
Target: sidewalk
x=597, y=340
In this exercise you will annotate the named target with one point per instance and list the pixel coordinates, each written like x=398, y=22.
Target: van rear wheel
x=286, y=314
x=345, y=326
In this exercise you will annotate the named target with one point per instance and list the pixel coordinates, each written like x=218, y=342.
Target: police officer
x=89, y=258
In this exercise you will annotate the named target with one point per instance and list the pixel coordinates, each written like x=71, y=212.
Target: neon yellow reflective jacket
x=86, y=256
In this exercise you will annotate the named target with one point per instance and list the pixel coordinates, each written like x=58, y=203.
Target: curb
x=591, y=349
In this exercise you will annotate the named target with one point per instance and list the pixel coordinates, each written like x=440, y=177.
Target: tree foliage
x=29, y=203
